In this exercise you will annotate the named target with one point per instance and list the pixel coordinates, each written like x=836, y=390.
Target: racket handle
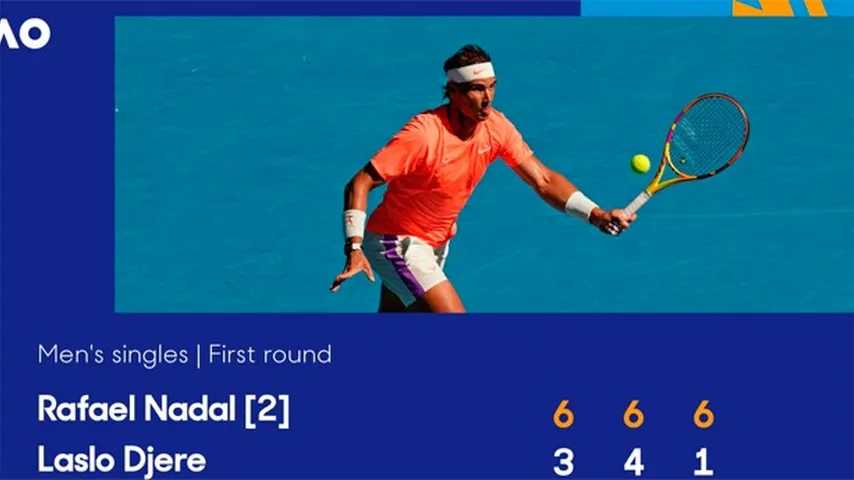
x=631, y=208
x=637, y=203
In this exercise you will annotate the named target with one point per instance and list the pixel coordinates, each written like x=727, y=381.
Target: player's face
x=474, y=99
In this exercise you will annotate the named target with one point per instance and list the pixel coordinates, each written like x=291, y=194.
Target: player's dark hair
x=467, y=55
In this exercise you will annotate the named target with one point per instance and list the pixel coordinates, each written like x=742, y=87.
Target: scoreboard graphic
x=171, y=182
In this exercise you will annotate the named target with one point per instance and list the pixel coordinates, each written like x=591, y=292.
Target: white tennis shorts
x=407, y=265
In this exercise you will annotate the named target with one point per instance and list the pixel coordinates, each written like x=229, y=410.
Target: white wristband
x=354, y=223
x=578, y=205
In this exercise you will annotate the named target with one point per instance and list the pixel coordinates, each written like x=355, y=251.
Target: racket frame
x=656, y=185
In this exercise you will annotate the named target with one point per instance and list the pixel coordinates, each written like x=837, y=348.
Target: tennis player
x=432, y=166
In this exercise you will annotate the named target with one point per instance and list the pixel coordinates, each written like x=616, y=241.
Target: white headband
x=466, y=74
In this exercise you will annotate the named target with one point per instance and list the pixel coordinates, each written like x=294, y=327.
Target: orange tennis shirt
x=431, y=173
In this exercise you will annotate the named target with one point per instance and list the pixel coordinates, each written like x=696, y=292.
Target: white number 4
x=633, y=463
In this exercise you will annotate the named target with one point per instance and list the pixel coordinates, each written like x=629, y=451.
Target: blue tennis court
x=235, y=137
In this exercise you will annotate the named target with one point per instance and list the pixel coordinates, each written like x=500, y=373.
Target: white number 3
x=564, y=467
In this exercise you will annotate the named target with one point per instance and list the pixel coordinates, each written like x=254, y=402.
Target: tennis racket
x=707, y=136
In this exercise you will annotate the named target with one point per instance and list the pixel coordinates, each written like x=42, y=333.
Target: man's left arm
x=561, y=194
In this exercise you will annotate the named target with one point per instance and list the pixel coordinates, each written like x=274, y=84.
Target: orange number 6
x=633, y=417
x=563, y=416
x=703, y=417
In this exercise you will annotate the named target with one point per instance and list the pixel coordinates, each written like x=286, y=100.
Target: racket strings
x=708, y=139
x=707, y=136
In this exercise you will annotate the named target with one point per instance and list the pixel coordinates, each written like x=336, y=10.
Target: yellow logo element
x=777, y=8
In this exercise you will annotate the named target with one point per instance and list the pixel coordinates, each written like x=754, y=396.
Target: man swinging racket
x=432, y=166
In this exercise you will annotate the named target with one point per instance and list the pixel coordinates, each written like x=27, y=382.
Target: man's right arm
x=355, y=215
x=356, y=192
x=400, y=156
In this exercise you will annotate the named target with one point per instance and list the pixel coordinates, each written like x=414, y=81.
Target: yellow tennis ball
x=640, y=163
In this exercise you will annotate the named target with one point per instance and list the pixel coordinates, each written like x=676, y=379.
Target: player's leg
x=389, y=302
x=418, y=306
x=443, y=298
x=387, y=256
x=411, y=271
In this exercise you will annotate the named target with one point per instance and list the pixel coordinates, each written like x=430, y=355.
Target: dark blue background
x=415, y=396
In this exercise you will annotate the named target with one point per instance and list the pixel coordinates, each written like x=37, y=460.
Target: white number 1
x=704, y=467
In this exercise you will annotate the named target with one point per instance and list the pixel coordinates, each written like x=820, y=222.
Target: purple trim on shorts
x=405, y=274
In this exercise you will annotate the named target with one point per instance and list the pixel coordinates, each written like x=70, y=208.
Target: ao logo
x=26, y=34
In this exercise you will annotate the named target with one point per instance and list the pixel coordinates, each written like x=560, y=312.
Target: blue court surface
x=235, y=138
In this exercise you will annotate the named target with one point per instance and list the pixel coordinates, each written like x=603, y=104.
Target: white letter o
x=29, y=25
